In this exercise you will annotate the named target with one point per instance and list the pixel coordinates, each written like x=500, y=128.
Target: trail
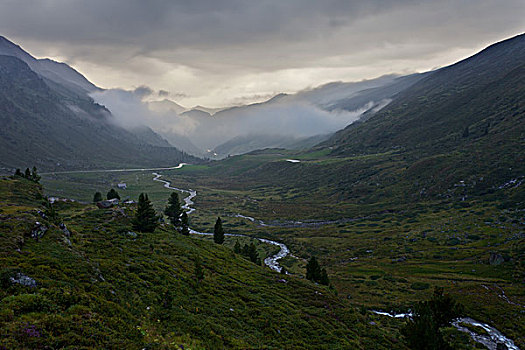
x=272, y=261
x=489, y=340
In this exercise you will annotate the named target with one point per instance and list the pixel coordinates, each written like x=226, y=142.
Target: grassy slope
x=109, y=290
x=402, y=249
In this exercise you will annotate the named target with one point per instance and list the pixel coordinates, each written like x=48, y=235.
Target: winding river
x=272, y=261
x=490, y=340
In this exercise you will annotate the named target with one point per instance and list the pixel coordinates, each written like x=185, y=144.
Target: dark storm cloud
x=218, y=48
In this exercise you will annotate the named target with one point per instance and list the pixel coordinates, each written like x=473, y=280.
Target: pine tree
x=199, y=271
x=34, y=175
x=27, y=174
x=173, y=209
x=323, y=279
x=253, y=255
x=218, y=232
x=185, y=229
x=145, y=219
x=422, y=330
x=313, y=271
x=250, y=252
x=97, y=197
x=112, y=194
x=237, y=247
x=19, y=173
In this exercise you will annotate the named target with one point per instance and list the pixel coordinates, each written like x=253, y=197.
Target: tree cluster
x=422, y=331
x=28, y=174
x=315, y=273
x=249, y=251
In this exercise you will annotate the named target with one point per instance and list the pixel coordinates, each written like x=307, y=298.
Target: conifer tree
x=199, y=271
x=218, y=232
x=145, y=219
x=97, y=197
x=185, y=229
x=237, y=247
x=313, y=271
x=250, y=251
x=34, y=175
x=19, y=173
x=27, y=174
x=113, y=194
x=323, y=279
x=422, y=331
x=173, y=209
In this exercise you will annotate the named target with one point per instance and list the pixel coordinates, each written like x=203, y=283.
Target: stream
x=489, y=340
x=272, y=261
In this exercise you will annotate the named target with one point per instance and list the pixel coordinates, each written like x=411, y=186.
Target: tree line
x=31, y=175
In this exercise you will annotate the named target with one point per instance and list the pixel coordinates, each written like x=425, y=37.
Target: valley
x=386, y=213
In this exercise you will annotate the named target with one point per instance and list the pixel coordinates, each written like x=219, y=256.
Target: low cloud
x=289, y=119
x=143, y=91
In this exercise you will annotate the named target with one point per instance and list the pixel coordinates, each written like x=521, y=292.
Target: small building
x=122, y=186
x=107, y=203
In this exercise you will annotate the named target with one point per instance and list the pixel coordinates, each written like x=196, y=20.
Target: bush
x=419, y=286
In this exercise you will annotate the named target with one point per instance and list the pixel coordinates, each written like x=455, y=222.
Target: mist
x=288, y=119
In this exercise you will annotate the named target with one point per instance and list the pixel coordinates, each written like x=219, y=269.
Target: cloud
x=143, y=91
x=290, y=118
x=216, y=52
x=163, y=93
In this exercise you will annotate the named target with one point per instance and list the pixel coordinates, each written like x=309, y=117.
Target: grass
x=104, y=288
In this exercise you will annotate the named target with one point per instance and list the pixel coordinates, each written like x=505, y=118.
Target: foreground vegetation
x=102, y=285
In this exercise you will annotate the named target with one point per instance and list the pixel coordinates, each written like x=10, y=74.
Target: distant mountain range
x=49, y=120
x=457, y=133
x=291, y=121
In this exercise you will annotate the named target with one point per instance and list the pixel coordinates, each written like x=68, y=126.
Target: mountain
x=50, y=121
x=210, y=111
x=166, y=106
x=196, y=114
x=455, y=135
x=476, y=94
x=57, y=72
x=245, y=144
x=291, y=121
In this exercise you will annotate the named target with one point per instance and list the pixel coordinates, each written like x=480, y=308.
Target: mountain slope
x=55, y=130
x=99, y=285
x=57, y=72
x=473, y=93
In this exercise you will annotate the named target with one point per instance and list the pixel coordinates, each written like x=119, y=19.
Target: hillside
x=99, y=285
x=55, y=127
x=477, y=94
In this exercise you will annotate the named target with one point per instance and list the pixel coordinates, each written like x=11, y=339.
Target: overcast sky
x=223, y=52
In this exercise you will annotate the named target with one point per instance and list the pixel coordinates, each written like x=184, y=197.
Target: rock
x=24, y=280
x=495, y=259
x=132, y=234
x=38, y=230
x=65, y=230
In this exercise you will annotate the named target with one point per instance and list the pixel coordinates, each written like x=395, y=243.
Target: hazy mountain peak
x=58, y=72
